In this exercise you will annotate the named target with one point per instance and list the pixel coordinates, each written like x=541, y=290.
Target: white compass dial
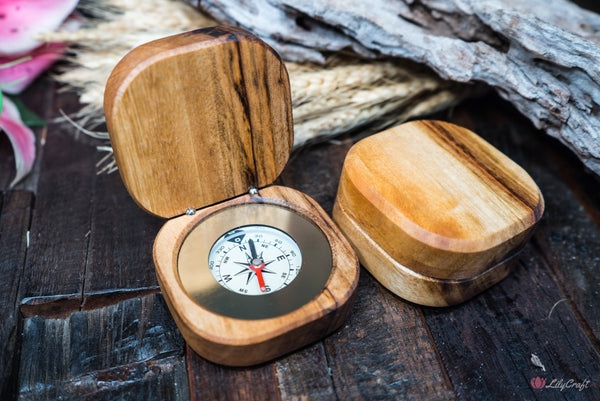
x=255, y=260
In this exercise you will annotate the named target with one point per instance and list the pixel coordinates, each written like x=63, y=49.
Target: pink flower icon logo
x=538, y=382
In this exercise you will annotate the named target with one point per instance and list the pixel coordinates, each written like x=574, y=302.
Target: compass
x=201, y=126
x=256, y=260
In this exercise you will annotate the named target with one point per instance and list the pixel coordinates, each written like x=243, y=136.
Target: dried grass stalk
x=327, y=100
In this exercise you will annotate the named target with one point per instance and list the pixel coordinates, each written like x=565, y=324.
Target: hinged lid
x=198, y=118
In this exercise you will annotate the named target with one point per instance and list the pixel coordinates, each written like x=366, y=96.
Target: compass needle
x=259, y=276
x=252, y=249
x=258, y=242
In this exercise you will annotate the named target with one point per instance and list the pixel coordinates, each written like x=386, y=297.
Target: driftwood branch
x=541, y=55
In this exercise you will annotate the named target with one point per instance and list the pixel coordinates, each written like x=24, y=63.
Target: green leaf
x=29, y=118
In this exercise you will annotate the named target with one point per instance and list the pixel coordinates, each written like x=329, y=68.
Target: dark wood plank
x=61, y=220
x=569, y=234
x=15, y=214
x=119, y=262
x=315, y=170
x=131, y=350
x=305, y=375
x=384, y=351
x=86, y=230
x=569, y=237
x=209, y=381
x=486, y=343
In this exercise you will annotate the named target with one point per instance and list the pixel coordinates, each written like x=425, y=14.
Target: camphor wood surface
x=435, y=212
x=197, y=118
x=238, y=342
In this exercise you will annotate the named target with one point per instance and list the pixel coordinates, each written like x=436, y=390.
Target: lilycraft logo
x=539, y=383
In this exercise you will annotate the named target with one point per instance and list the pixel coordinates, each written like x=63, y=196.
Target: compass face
x=255, y=260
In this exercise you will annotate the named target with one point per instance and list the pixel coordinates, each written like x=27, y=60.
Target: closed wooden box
x=435, y=213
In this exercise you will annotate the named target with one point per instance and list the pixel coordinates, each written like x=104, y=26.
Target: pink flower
x=22, y=20
x=17, y=77
x=22, y=59
x=21, y=138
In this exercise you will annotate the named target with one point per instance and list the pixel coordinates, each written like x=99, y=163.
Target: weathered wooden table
x=82, y=316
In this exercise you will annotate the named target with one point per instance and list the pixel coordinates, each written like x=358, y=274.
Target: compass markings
x=255, y=244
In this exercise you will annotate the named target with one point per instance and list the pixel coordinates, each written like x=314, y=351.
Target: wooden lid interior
x=438, y=198
x=198, y=118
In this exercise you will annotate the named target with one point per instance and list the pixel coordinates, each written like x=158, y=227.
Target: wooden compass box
x=435, y=213
x=196, y=120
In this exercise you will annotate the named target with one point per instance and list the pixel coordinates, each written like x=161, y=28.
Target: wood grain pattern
x=305, y=374
x=434, y=199
x=247, y=342
x=199, y=117
x=567, y=236
x=15, y=216
x=302, y=375
x=119, y=259
x=62, y=216
x=486, y=344
x=409, y=284
x=215, y=382
x=131, y=350
x=384, y=351
x=569, y=239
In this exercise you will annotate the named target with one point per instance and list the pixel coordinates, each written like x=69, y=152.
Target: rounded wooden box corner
x=439, y=201
x=409, y=284
x=238, y=342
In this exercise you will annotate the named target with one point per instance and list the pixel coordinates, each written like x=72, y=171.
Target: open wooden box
x=434, y=212
x=201, y=125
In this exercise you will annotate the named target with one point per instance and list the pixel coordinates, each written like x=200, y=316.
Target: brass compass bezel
x=200, y=285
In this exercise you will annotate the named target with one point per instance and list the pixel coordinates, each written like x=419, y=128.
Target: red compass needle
x=259, y=276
